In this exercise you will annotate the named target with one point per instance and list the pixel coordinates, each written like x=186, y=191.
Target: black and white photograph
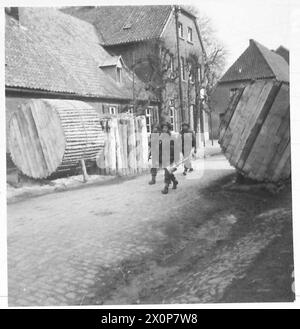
x=147, y=153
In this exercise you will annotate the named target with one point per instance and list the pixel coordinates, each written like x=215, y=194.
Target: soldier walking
x=169, y=177
x=187, y=146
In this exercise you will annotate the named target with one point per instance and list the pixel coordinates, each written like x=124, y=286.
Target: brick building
x=162, y=44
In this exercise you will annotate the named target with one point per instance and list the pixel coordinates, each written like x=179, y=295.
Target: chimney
x=13, y=12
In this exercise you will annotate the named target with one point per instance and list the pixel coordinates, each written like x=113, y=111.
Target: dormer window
x=127, y=26
x=112, y=66
x=112, y=110
x=119, y=74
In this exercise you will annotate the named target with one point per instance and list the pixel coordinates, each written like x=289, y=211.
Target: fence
x=125, y=149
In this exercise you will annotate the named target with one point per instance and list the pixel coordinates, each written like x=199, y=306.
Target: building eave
x=47, y=93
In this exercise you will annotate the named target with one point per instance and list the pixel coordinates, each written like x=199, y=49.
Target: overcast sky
x=237, y=21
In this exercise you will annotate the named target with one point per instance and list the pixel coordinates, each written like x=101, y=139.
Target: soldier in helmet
x=169, y=177
x=186, y=149
x=155, y=129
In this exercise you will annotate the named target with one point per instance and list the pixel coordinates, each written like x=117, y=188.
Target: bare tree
x=163, y=75
x=160, y=72
x=214, y=53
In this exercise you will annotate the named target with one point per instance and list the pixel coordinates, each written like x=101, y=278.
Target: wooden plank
x=247, y=120
x=51, y=133
x=277, y=169
x=243, y=101
x=38, y=164
x=138, y=140
x=25, y=144
x=229, y=113
x=123, y=154
x=125, y=145
x=259, y=120
x=268, y=139
x=144, y=143
x=84, y=172
x=16, y=146
x=119, y=161
x=131, y=147
x=49, y=145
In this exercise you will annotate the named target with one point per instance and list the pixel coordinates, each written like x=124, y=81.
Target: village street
x=127, y=243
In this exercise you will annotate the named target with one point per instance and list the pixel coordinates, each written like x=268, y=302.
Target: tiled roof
x=124, y=24
x=257, y=62
x=55, y=52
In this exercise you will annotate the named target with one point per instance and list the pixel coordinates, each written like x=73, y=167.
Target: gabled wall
x=137, y=55
x=186, y=48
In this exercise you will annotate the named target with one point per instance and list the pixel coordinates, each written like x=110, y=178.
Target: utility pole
x=201, y=109
x=176, y=12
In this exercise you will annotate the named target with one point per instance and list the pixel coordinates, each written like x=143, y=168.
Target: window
x=190, y=34
x=130, y=110
x=148, y=114
x=202, y=93
x=127, y=26
x=192, y=115
x=173, y=118
x=192, y=78
x=233, y=91
x=112, y=110
x=191, y=73
x=180, y=30
x=172, y=63
x=119, y=74
x=182, y=68
x=199, y=75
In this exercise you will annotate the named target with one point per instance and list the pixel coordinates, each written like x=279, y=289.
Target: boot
x=185, y=170
x=153, y=181
x=175, y=183
x=165, y=189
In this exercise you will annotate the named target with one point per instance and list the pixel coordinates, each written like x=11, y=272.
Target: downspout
x=201, y=119
x=204, y=58
x=201, y=110
x=133, y=81
x=176, y=11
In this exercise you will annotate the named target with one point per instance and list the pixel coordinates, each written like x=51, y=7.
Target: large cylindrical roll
x=49, y=135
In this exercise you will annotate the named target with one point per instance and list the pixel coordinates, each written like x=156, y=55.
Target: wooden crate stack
x=255, y=131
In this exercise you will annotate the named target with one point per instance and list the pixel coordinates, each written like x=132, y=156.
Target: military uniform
x=185, y=152
x=169, y=177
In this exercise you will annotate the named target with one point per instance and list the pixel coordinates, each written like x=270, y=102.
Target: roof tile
x=52, y=51
x=257, y=62
x=124, y=24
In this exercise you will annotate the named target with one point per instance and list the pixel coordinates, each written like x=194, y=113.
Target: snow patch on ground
x=57, y=185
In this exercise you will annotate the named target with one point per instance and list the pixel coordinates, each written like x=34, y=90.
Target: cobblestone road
x=59, y=244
